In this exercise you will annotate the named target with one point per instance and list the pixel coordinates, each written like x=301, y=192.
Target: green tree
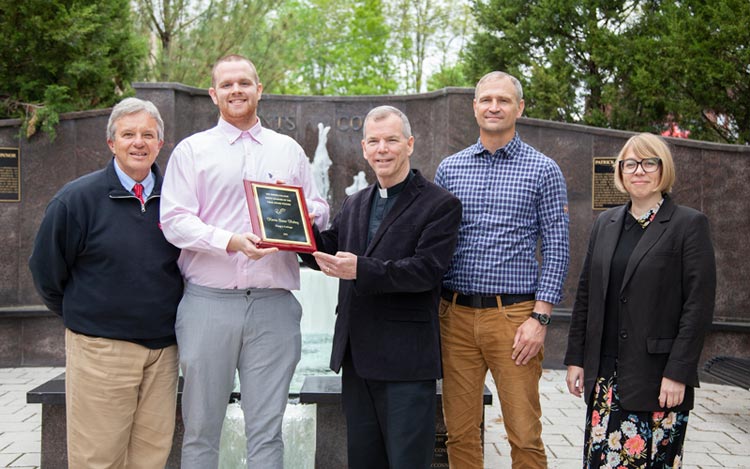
x=193, y=34
x=417, y=24
x=164, y=21
x=64, y=55
x=559, y=49
x=344, y=44
x=687, y=62
x=628, y=64
x=368, y=68
x=300, y=46
x=425, y=34
x=449, y=75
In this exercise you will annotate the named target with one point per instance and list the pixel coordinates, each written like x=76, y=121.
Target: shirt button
x=623, y=334
x=623, y=299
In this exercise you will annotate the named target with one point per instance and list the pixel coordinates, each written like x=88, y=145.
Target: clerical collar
x=393, y=191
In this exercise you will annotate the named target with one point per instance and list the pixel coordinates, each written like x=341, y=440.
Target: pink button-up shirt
x=203, y=203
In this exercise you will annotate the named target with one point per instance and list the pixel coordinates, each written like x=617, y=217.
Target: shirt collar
x=646, y=219
x=509, y=151
x=233, y=133
x=393, y=191
x=128, y=182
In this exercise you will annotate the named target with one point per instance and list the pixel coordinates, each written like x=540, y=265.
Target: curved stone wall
x=710, y=177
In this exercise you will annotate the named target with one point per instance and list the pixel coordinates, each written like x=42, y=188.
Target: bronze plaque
x=604, y=194
x=440, y=454
x=10, y=175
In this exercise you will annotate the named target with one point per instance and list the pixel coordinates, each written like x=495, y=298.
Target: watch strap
x=543, y=319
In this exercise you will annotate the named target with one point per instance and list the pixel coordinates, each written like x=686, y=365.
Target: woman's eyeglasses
x=649, y=165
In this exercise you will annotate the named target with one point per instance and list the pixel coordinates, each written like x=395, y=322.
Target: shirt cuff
x=220, y=239
x=549, y=297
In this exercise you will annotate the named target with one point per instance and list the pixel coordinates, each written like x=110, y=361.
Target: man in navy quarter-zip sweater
x=101, y=261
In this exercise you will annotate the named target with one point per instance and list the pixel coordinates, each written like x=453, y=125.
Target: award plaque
x=278, y=215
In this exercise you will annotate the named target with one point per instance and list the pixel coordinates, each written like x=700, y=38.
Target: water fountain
x=322, y=162
x=359, y=182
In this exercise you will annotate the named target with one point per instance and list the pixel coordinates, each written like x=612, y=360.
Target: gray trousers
x=255, y=331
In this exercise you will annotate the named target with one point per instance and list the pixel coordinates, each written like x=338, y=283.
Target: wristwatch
x=543, y=319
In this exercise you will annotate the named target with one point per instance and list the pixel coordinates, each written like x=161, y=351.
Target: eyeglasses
x=649, y=165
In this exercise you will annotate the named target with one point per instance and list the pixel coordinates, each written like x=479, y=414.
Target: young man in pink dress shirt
x=237, y=312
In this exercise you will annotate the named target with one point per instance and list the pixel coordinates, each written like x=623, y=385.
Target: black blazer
x=666, y=305
x=388, y=316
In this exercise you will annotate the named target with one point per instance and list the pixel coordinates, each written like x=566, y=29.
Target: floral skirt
x=619, y=439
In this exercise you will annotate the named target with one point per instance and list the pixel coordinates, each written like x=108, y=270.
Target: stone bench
x=324, y=391
x=730, y=370
x=330, y=438
x=31, y=336
x=54, y=442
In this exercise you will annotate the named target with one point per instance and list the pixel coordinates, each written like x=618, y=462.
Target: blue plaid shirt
x=510, y=199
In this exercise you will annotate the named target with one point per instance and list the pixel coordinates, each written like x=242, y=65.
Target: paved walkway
x=718, y=433
x=718, y=429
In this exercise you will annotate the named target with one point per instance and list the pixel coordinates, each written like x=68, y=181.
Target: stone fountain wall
x=710, y=177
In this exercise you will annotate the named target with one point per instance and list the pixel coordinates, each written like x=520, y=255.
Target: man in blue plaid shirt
x=497, y=299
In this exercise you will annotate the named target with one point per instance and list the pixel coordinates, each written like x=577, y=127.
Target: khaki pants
x=473, y=341
x=120, y=403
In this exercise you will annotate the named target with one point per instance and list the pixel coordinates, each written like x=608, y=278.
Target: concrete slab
x=718, y=433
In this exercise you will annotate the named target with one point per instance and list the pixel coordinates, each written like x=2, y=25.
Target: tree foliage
x=556, y=47
x=417, y=23
x=164, y=21
x=64, y=55
x=449, y=75
x=691, y=63
x=628, y=64
x=344, y=49
x=298, y=46
x=190, y=35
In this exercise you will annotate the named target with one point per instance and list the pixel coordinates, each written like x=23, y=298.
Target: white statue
x=359, y=182
x=321, y=162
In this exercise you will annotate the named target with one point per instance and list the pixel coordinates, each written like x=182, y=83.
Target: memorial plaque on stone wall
x=604, y=194
x=440, y=454
x=10, y=175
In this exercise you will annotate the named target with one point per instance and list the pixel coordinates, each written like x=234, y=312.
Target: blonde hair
x=644, y=146
x=497, y=75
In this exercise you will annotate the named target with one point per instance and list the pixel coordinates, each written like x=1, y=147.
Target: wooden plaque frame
x=279, y=217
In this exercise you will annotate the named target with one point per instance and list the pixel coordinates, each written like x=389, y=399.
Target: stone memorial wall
x=710, y=177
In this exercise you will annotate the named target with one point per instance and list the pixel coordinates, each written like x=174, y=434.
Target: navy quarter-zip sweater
x=101, y=261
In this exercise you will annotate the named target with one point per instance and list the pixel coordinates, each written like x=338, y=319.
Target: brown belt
x=480, y=301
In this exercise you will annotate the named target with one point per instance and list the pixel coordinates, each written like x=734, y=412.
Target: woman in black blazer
x=644, y=303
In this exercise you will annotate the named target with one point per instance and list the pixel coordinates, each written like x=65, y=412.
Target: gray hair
x=381, y=112
x=498, y=76
x=132, y=106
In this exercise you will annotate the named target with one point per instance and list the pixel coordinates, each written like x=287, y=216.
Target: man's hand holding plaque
x=247, y=244
x=279, y=217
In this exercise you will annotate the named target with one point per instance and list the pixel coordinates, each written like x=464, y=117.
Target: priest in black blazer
x=390, y=245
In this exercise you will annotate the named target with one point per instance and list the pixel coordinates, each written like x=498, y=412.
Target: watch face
x=542, y=318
